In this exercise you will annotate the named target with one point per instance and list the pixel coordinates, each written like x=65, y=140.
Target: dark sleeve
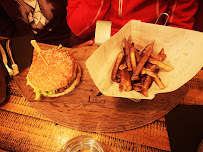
x=198, y=25
x=7, y=25
x=11, y=19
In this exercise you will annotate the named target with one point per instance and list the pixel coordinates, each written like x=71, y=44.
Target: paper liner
x=183, y=49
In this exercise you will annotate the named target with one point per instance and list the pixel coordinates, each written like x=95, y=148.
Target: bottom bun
x=73, y=84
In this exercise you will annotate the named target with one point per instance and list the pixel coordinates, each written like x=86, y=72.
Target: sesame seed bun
x=59, y=72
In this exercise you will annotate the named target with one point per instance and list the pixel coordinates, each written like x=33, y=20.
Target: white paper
x=183, y=48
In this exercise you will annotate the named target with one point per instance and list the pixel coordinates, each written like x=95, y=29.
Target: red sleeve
x=83, y=14
x=181, y=13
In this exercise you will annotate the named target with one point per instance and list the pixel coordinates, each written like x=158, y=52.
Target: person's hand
x=87, y=43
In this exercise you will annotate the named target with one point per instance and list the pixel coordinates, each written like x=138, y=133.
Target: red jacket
x=83, y=14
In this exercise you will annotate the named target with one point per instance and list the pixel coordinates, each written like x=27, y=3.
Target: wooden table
x=23, y=128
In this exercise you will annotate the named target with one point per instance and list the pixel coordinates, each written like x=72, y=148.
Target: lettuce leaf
x=39, y=92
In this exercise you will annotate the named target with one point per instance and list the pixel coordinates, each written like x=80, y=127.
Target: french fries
x=160, y=64
x=125, y=83
x=133, y=61
x=155, y=76
x=127, y=52
x=137, y=67
x=142, y=62
x=116, y=65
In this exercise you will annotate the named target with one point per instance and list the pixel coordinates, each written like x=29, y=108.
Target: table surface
x=23, y=128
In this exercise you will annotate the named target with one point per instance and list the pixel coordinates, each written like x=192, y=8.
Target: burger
x=56, y=77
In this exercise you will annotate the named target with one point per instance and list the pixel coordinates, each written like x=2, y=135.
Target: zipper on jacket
x=120, y=8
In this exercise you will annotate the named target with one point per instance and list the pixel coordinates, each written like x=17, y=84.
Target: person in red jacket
x=83, y=14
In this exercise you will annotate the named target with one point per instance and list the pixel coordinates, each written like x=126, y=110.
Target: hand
x=87, y=43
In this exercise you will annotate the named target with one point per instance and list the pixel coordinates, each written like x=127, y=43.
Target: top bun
x=57, y=74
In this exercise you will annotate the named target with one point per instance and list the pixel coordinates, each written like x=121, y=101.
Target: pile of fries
x=137, y=67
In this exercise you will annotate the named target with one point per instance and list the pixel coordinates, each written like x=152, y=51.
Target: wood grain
x=86, y=109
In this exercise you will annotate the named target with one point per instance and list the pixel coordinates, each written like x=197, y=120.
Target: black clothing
x=45, y=19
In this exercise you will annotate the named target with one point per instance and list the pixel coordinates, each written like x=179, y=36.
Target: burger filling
x=39, y=92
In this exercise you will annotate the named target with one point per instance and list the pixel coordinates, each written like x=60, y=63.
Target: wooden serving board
x=86, y=109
